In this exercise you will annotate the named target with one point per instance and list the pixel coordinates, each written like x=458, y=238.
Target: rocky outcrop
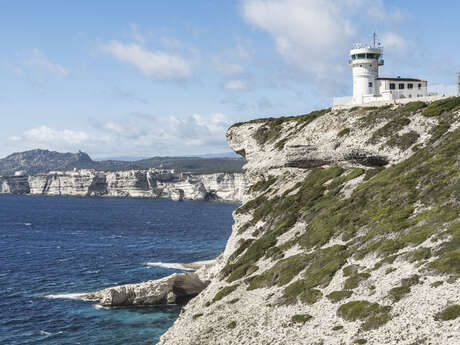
x=176, y=288
x=14, y=185
x=349, y=233
x=152, y=183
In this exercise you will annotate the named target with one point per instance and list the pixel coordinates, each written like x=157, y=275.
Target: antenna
x=374, y=36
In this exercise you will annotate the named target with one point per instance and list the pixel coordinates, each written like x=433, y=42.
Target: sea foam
x=66, y=296
x=173, y=265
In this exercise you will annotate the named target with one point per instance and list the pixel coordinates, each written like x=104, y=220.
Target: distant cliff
x=38, y=161
x=152, y=183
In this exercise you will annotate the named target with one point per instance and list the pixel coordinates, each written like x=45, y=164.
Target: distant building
x=370, y=89
x=458, y=84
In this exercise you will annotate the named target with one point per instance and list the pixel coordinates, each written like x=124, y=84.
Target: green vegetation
x=354, y=280
x=442, y=106
x=231, y=325
x=413, y=107
x=389, y=129
x=404, y=141
x=337, y=296
x=337, y=328
x=377, y=219
x=370, y=173
x=224, y=292
x=301, y=318
x=360, y=341
x=372, y=314
x=343, y=132
x=449, y=313
x=397, y=293
x=262, y=185
x=271, y=128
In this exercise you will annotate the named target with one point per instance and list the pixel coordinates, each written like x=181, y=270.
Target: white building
x=369, y=88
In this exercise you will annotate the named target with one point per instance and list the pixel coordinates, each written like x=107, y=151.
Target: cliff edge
x=349, y=233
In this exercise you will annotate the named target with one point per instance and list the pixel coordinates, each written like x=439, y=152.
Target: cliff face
x=156, y=183
x=349, y=233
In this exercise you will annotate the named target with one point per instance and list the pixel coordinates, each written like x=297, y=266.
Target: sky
x=154, y=78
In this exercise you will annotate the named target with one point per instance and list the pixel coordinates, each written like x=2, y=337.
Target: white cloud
x=394, y=41
x=39, y=63
x=154, y=64
x=315, y=35
x=44, y=134
x=138, y=134
x=236, y=85
x=227, y=67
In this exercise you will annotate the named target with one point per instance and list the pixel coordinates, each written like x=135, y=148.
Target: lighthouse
x=365, y=62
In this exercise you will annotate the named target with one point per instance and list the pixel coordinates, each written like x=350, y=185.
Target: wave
x=173, y=265
x=66, y=296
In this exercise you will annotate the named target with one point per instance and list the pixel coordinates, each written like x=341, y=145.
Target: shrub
x=336, y=296
x=439, y=107
x=372, y=314
x=449, y=313
x=301, y=318
x=224, y=292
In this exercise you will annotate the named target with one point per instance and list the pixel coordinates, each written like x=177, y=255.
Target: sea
x=52, y=249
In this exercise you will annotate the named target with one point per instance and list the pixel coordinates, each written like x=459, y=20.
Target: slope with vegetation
x=350, y=232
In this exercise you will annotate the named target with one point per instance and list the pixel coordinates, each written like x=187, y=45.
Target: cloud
x=40, y=65
x=154, y=64
x=46, y=135
x=314, y=36
x=394, y=41
x=227, y=67
x=236, y=85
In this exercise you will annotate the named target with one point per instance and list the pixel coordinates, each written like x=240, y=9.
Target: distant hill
x=42, y=161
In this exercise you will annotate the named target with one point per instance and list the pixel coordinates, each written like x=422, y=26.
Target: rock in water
x=167, y=290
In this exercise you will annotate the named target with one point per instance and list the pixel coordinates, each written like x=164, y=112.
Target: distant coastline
x=149, y=183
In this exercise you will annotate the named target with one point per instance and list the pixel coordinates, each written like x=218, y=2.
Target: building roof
x=402, y=79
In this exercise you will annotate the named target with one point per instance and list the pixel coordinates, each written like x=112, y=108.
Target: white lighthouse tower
x=365, y=62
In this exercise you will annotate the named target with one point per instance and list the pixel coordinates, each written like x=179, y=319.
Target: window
x=361, y=56
x=371, y=56
x=370, y=84
x=419, y=86
x=353, y=57
x=401, y=86
x=392, y=86
x=410, y=86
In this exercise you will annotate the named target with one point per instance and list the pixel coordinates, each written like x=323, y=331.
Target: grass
x=354, y=280
x=343, y=132
x=439, y=107
x=449, y=313
x=227, y=290
x=231, y=325
x=301, y=318
x=389, y=129
x=377, y=219
x=337, y=296
x=413, y=107
x=372, y=314
x=404, y=141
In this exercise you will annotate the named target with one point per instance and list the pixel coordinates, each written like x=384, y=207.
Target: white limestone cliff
x=153, y=183
x=245, y=302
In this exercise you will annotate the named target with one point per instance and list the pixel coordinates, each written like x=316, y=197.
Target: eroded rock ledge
x=169, y=290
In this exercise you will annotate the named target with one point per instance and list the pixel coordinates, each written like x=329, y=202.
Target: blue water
x=54, y=246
